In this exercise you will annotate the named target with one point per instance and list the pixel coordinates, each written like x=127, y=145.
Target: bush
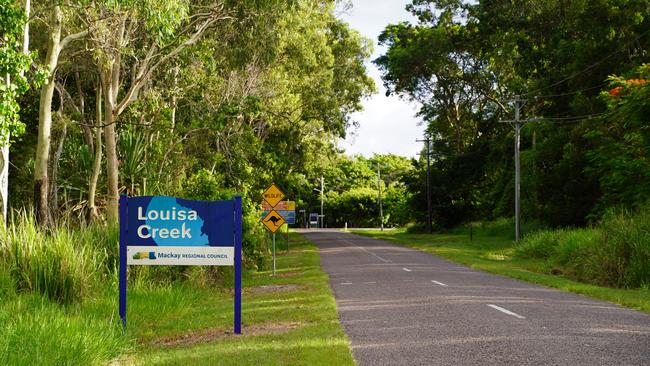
x=624, y=252
x=58, y=265
x=205, y=185
x=615, y=253
x=540, y=245
x=416, y=228
x=358, y=207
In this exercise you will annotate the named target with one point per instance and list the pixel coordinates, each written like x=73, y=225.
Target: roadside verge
x=288, y=319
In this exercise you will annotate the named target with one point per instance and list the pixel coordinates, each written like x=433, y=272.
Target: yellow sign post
x=273, y=195
x=273, y=221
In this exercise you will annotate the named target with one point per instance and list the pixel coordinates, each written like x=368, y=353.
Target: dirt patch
x=270, y=288
x=211, y=335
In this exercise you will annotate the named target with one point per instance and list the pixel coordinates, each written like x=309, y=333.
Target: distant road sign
x=286, y=209
x=273, y=195
x=288, y=216
x=281, y=206
x=273, y=221
x=313, y=218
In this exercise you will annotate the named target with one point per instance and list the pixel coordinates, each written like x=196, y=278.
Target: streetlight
x=429, y=219
x=322, y=193
x=381, y=211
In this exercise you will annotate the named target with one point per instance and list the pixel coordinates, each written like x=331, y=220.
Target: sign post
x=123, y=231
x=286, y=209
x=161, y=230
x=272, y=219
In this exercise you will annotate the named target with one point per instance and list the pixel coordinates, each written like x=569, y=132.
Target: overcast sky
x=387, y=124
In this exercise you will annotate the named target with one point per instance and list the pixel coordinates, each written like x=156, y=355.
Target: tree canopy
x=464, y=62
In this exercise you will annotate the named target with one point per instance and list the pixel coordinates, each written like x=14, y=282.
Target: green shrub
x=574, y=254
x=416, y=228
x=615, y=253
x=625, y=250
x=540, y=245
x=57, y=264
x=204, y=185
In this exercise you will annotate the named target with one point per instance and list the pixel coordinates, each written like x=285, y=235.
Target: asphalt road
x=400, y=306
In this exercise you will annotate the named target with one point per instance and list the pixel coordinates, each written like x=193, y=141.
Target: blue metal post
x=238, y=264
x=123, y=231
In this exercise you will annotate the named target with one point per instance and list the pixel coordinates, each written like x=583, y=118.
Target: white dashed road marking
x=406, y=269
x=439, y=283
x=369, y=252
x=506, y=311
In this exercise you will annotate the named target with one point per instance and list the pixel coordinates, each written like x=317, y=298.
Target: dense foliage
x=352, y=191
x=201, y=99
x=466, y=61
x=615, y=253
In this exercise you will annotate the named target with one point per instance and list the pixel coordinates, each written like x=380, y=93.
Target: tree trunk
x=54, y=169
x=88, y=135
x=28, y=7
x=110, y=139
x=97, y=163
x=45, y=121
x=54, y=187
x=4, y=178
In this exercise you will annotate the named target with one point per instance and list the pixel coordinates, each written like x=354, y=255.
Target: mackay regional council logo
x=144, y=255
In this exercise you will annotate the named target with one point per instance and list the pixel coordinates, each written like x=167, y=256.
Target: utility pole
x=322, y=197
x=381, y=211
x=429, y=218
x=517, y=124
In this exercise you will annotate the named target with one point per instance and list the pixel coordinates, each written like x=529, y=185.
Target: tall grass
x=64, y=264
x=36, y=331
x=625, y=255
x=614, y=253
x=45, y=264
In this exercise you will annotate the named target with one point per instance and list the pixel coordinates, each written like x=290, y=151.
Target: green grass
x=64, y=264
x=316, y=338
x=614, y=253
x=36, y=329
x=497, y=255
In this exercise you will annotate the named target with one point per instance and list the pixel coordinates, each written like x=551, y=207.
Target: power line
x=570, y=93
x=570, y=119
x=590, y=66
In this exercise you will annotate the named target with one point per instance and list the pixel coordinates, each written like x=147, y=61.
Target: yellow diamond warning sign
x=273, y=195
x=273, y=221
